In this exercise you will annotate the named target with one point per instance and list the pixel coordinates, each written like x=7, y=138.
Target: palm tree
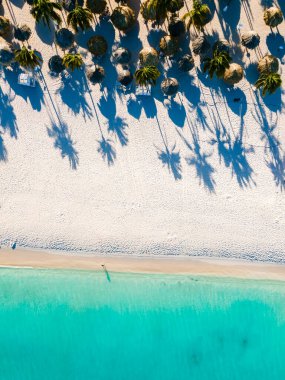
x=217, y=64
x=72, y=61
x=269, y=82
x=27, y=58
x=158, y=9
x=199, y=16
x=45, y=10
x=147, y=75
x=80, y=18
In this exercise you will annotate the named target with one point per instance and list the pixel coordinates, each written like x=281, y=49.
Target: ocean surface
x=61, y=324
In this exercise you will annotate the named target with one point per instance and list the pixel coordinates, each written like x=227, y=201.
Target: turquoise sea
x=60, y=324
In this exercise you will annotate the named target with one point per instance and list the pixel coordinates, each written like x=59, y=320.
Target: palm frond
x=147, y=75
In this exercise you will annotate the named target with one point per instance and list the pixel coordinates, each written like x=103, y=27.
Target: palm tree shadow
x=45, y=33
x=3, y=150
x=72, y=93
x=169, y=157
x=204, y=170
x=107, y=150
x=7, y=116
x=233, y=153
x=118, y=127
x=276, y=160
x=64, y=142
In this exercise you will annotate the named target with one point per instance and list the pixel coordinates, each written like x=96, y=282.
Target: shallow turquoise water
x=78, y=325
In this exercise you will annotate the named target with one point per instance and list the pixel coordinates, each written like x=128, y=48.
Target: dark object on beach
x=96, y=75
x=169, y=86
x=6, y=53
x=175, y=6
x=201, y=45
x=176, y=27
x=250, y=39
x=5, y=26
x=268, y=63
x=169, y=45
x=96, y=6
x=122, y=55
x=273, y=16
x=64, y=38
x=222, y=45
x=97, y=45
x=22, y=33
x=148, y=56
x=125, y=77
x=233, y=74
x=186, y=63
x=69, y=5
x=123, y=18
x=55, y=64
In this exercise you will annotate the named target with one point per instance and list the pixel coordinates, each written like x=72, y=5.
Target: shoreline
x=32, y=259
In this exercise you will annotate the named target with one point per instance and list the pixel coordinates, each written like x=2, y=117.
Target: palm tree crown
x=147, y=75
x=45, y=10
x=72, y=61
x=217, y=64
x=27, y=58
x=80, y=18
x=158, y=9
x=269, y=82
x=199, y=16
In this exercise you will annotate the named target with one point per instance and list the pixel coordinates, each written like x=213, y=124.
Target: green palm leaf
x=80, y=18
x=217, y=64
x=72, y=61
x=45, y=10
x=147, y=75
x=268, y=82
x=27, y=58
x=199, y=16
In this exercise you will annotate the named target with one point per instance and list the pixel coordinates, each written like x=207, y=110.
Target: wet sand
x=136, y=264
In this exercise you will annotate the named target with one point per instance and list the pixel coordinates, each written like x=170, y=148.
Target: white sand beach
x=97, y=172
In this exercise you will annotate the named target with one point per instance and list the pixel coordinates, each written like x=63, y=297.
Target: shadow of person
x=204, y=170
x=64, y=143
x=3, y=150
x=118, y=126
x=107, y=150
x=72, y=94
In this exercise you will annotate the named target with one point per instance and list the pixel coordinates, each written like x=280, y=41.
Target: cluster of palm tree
x=81, y=17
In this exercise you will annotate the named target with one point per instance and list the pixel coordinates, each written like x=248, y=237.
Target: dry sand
x=201, y=178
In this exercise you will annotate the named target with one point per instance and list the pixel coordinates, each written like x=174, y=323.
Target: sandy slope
x=223, y=198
